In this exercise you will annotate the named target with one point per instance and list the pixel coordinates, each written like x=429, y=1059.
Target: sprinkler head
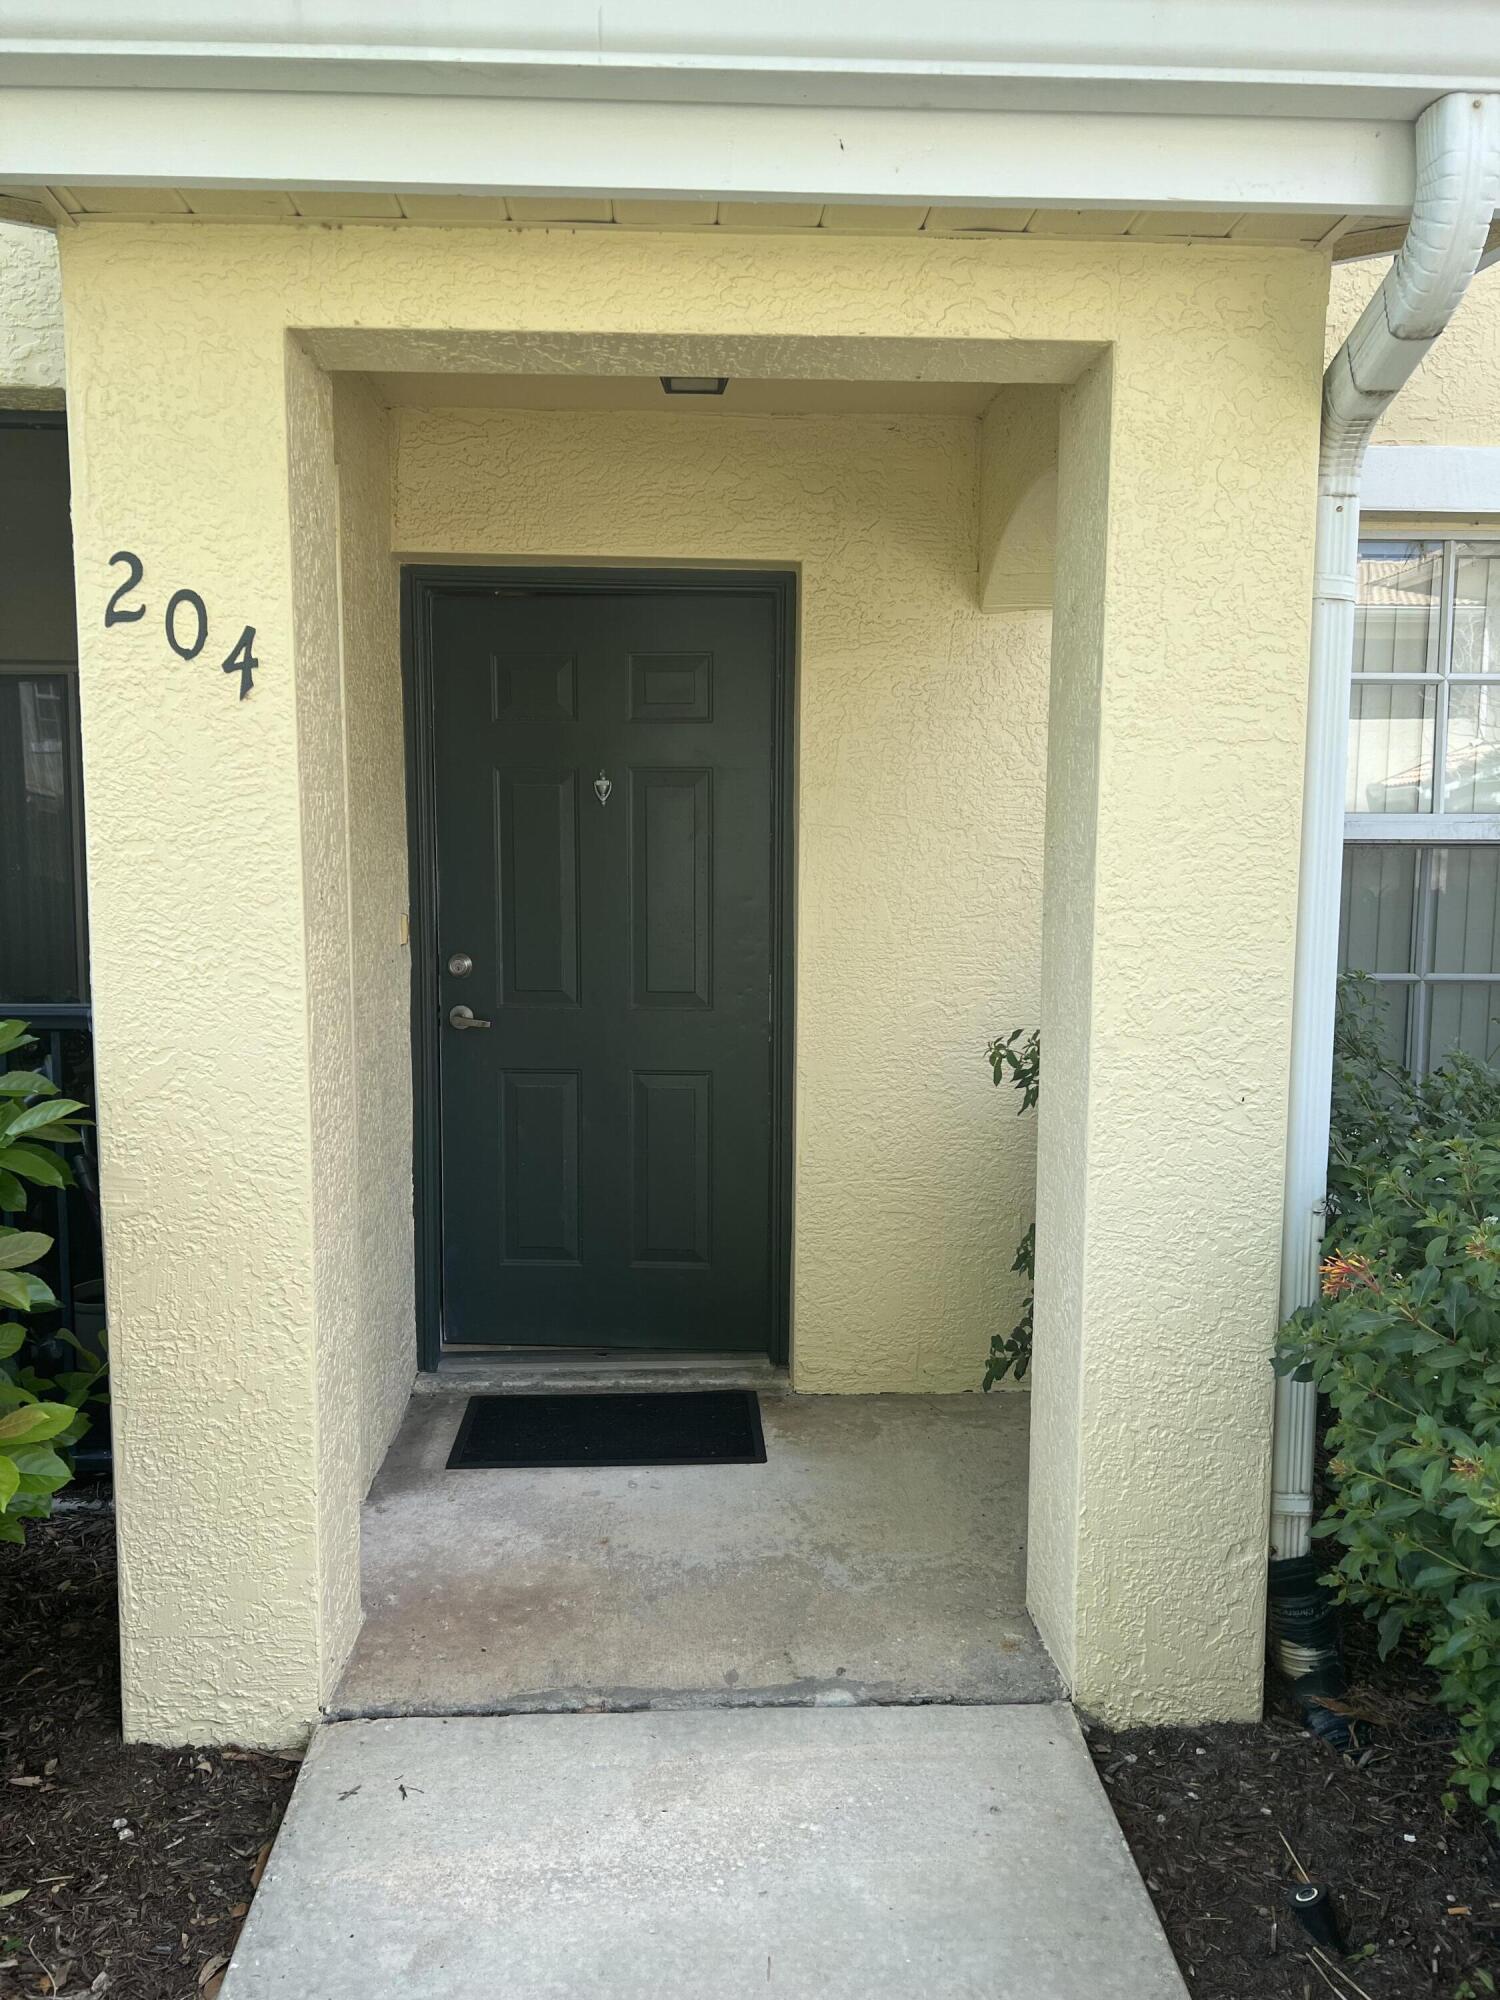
x=1313, y=1908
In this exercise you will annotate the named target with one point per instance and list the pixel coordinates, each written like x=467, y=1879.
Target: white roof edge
x=1253, y=58
x=1423, y=480
x=475, y=145
x=1252, y=90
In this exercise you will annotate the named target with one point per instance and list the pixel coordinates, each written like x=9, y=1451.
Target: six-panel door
x=606, y=860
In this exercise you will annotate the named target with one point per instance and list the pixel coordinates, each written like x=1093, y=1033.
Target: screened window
x=43, y=948
x=1421, y=911
x=42, y=951
x=43, y=928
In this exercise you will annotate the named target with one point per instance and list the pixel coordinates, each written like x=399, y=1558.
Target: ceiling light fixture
x=695, y=385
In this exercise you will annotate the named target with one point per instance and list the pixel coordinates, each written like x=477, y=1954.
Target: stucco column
x=1174, y=778
x=202, y=446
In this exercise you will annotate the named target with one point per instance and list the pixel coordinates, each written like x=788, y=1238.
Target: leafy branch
x=39, y=1418
x=1016, y=1059
x=1405, y=1344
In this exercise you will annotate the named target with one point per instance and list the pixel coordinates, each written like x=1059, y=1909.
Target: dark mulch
x=1210, y=1815
x=138, y=1863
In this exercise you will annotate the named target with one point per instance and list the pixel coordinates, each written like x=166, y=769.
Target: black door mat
x=667, y=1427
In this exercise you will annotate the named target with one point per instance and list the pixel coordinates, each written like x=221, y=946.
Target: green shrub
x=1019, y=1066
x=39, y=1417
x=1405, y=1344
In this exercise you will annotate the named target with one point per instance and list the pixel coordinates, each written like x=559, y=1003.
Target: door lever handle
x=465, y=1017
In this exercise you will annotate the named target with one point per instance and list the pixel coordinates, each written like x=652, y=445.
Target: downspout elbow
x=1458, y=187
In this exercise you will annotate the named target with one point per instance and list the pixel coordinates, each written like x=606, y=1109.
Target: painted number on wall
x=185, y=621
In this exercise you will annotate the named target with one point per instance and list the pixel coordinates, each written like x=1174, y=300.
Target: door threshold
x=518, y=1370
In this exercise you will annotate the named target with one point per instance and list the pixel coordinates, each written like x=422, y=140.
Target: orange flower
x=1341, y=1274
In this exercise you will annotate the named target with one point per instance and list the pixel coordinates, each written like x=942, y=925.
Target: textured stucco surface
x=202, y=436
x=1064, y=1142
x=919, y=813
x=1453, y=399
x=313, y=502
x=1018, y=499
x=379, y=968
x=31, y=340
x=1454, y=396
x=1174, y=786
x=345, y=633
x=179, y=444
x=260, y=1305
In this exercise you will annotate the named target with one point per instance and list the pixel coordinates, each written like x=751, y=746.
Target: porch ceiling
x=823, y=366
x=743, y=397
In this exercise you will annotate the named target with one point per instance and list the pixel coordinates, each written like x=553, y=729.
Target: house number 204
x=185, y=621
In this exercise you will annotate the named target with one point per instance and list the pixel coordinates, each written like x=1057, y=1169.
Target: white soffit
x=58, y=205
x=1421, y=481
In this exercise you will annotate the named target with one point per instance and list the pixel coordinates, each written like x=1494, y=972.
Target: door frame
x=420, y=584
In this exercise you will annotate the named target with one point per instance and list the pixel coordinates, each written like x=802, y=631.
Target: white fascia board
x=467, y=145
x=687, y=80
x=1421, y=480
x=1262, y=57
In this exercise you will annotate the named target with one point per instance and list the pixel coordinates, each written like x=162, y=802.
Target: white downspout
x=1457, y=189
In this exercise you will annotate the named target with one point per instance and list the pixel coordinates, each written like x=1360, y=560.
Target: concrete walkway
x=816, y=1853
x=878, y=1556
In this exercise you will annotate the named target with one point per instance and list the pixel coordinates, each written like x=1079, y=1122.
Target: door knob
x=465, y=1017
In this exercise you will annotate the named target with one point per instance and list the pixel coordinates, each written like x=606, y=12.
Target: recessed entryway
x=599, y=779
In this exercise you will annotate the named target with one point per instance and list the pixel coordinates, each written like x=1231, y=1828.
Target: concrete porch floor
x=878, y=1556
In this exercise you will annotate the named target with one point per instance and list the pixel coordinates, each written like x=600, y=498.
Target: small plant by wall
x=39, y=1416
x=1016, y=1059
x=1405, y=1344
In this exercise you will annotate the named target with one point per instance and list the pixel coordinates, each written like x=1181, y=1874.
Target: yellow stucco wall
x=234, y=920
x=198, y=952
x=1018, y=438
x=919, y=815
x=1067, y=1142
x=1175, y=747
x=351, y=780
x=31, y=334
x=379, y=996
x=260, y=1293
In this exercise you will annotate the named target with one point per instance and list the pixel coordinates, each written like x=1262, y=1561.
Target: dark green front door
x=606, y=860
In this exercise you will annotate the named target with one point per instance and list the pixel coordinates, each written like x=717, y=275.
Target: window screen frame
x=1426, y=833
x=66, y=673
x=30, y=665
